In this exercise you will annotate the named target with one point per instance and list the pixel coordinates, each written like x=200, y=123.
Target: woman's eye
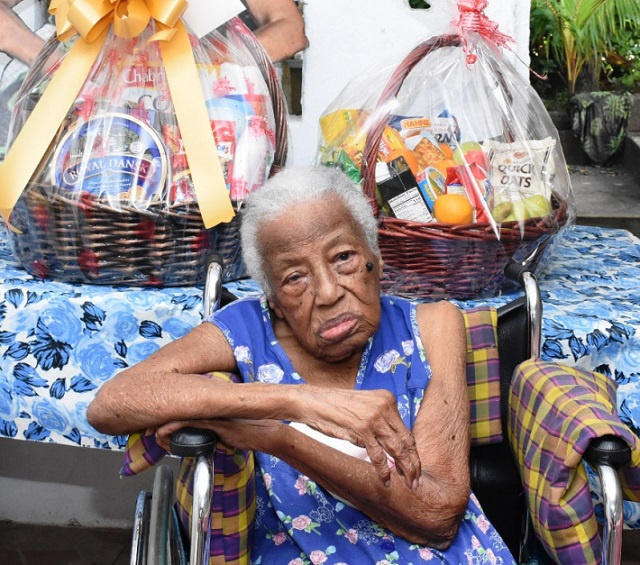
x=292, y=279
x=344, y=256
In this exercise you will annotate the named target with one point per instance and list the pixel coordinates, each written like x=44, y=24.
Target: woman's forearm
x=428, y=515
x=148, y=400
x=137, y=400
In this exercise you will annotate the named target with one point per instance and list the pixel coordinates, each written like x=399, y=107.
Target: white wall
x=346, y=37
x=61, y=485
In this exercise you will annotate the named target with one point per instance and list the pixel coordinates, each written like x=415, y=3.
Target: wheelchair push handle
x=522, y=274
x=608, y=450
x=212, y=294
x=192, y=442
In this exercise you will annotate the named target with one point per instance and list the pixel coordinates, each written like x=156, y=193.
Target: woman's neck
x=315, y=371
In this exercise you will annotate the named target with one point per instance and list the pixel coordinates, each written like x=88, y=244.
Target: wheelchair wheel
x=160, y=517
x=141, y=529
x=156, y=534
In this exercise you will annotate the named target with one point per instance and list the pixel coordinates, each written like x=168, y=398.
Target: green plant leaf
x=584, y=10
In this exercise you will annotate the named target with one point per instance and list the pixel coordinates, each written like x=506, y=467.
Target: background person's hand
x=369, y=419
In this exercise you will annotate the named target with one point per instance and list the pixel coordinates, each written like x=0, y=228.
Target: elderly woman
x=332, y=372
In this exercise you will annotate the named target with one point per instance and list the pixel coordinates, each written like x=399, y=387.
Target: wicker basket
x=87, y=240
x=433, y=260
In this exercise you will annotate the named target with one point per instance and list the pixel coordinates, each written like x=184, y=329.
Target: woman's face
x=315, y=261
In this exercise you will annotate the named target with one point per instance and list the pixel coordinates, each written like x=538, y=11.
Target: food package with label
x=138, y=162
x=451, y=141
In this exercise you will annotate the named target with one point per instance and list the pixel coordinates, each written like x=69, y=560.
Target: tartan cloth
x=483, y=375
x=233, y=504
x=555, y=411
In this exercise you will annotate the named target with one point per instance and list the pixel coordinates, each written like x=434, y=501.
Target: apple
x=537, y=206
x=463, y=149
x=501, y=211
x=518, y=212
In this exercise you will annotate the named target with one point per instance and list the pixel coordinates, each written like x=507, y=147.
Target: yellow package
x=338, y=125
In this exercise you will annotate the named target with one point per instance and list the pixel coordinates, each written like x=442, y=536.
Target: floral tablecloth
x=59, y=342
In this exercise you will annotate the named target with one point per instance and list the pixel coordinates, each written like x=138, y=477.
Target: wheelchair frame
x=157, y=539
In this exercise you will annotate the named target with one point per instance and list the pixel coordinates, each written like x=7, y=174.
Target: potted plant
x=572, y=38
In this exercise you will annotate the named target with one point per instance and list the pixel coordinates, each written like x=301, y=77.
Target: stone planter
x=573, y=152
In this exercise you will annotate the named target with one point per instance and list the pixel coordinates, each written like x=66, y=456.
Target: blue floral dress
x=297, y=521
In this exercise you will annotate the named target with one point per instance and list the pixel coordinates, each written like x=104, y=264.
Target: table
x=59, y=342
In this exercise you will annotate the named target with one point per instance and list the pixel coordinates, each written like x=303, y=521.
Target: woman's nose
x=327, y=286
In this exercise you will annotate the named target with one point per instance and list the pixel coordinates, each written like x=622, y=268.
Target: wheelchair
x=495, y=478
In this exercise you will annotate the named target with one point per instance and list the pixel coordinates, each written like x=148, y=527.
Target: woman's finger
x=378, y=458
x=163, y=433
x=401, y=446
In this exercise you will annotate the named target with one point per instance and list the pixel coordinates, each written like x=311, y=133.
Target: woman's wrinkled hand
x=236, y=433
x=369, y=419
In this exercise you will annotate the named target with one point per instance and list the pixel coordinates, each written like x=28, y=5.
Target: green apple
x=501, y=211
x=463, y=148
x=518, y=213
x=537, y=206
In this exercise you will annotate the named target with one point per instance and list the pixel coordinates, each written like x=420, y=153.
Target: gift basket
x=146, y=164
x=459, y=159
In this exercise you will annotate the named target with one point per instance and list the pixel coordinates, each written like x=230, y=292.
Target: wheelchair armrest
x=191, y=442
x=608, y=450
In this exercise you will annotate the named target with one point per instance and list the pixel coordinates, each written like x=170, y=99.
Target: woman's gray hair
x=294, y=186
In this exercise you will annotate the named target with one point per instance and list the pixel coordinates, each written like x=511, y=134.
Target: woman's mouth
x=338, y=328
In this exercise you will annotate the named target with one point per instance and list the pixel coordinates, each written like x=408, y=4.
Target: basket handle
x=280, y=109
x=374, y=135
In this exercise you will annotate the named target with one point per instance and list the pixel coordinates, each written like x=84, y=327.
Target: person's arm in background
x=280, y=27
x=16, y=39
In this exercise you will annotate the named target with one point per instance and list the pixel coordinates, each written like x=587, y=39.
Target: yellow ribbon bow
x=91, y=20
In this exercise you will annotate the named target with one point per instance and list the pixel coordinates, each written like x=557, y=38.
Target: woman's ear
x=275, y=308
x=380, y=266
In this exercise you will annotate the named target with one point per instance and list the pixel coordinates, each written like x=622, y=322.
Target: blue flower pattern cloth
x=59, y=342
x=297, y=521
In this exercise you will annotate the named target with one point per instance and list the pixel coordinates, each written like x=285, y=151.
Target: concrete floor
x=48, y=545
x=609, y=195
x=606, y=196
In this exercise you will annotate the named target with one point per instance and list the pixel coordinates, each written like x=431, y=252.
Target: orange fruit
x=445, y=164
x=453, y=209
x=446, y=150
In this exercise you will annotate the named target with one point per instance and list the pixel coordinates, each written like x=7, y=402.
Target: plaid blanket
x=483, y=375
x=555, y=411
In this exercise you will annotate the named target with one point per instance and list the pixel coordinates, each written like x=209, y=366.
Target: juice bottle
x=399, y=192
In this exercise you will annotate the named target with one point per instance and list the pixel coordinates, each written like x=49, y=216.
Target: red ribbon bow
x=473, y=19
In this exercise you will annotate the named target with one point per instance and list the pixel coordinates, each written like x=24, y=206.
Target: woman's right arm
x=169, y=386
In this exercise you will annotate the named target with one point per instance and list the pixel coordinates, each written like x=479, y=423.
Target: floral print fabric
x=60, y=342
x=297, y=521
